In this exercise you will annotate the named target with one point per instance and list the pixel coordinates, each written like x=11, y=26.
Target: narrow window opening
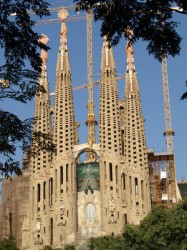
x=136, y=185
x=116, y=174
x=123, y=180
x=110, y=171
x=61, y=175
x=38, y=189
x=125, y=219
x=66, y=172
x=44, y=190
x=142, y=189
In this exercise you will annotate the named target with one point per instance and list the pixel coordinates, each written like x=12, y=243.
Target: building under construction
x=69, y=201
x=162, y=178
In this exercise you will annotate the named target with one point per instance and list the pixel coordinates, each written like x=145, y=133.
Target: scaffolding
x=162, y=178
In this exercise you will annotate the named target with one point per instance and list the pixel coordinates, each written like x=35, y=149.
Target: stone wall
x=14, y=207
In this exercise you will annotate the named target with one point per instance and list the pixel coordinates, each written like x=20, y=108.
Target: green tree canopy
x=151, y=20
x=8, y=244
x=47, y=247
x=162, y=229
x=69, y=247
x=19, y=71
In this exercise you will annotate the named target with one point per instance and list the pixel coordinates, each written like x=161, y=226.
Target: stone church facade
x=69, y=201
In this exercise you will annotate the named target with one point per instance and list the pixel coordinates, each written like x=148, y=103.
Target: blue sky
x=149, y=77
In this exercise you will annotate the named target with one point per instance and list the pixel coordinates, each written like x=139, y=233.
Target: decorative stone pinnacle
x=105, y=38
x=129, y=50
x=63, y=14
x=43, y=39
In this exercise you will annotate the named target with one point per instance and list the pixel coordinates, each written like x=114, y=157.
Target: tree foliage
x=162, y=229
x=106, y=242
x=47, y=247
x=165, y=228
x=8, y=244
x=69, y=247
x=19, y=72
x=184, y=96
x=151, y=20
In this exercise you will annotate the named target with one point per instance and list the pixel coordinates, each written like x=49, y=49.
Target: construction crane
x=169, y=133
x=56, y=20
x=168, y=180
x=90, y=122
x=167, y=114
x=85, y=85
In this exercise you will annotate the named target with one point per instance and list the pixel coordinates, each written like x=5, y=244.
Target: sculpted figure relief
x=111, y=204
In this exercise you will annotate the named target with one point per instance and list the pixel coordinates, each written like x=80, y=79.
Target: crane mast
x=91, y=122
x=167, y=115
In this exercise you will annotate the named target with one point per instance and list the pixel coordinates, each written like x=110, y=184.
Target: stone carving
x=111, y=204
x=129, y=50
x=62, y=221
x=63, y=15
x=38, y=225
x=37, y=233
x=112, y=208
x=62, y=208
x=44, y=40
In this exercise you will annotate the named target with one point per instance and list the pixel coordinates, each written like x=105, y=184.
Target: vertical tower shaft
x=110, y=143
x=40, y=162
x=135, y=150
x=64, y=121
x=65, y=137
x=42, y=114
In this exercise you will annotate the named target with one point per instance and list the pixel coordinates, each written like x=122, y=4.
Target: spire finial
x=105, y=38
x=44, y=40
x=63, y=15
x=129, y=48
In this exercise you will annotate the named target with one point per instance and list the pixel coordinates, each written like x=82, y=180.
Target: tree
x=151, y=20
x=106, y=242
x=69, y=247
x=184, y=96
x=8, y=244
x=162, y=229
x=19, y=72
x=47, y=248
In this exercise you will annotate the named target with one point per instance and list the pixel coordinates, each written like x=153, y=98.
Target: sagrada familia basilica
x=59, y=199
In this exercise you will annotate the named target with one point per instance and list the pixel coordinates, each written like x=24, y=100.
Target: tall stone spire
x=42, y=112
x=109, y=128
x=64, y=121
x=134, y=144
x=63, y=201
x=40, y=163
x=110, y=142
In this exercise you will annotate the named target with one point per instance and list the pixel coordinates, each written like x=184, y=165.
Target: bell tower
x=136, y=175
x=110, y=143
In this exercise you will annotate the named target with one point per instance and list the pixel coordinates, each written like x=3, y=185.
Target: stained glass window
x=90, y=212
